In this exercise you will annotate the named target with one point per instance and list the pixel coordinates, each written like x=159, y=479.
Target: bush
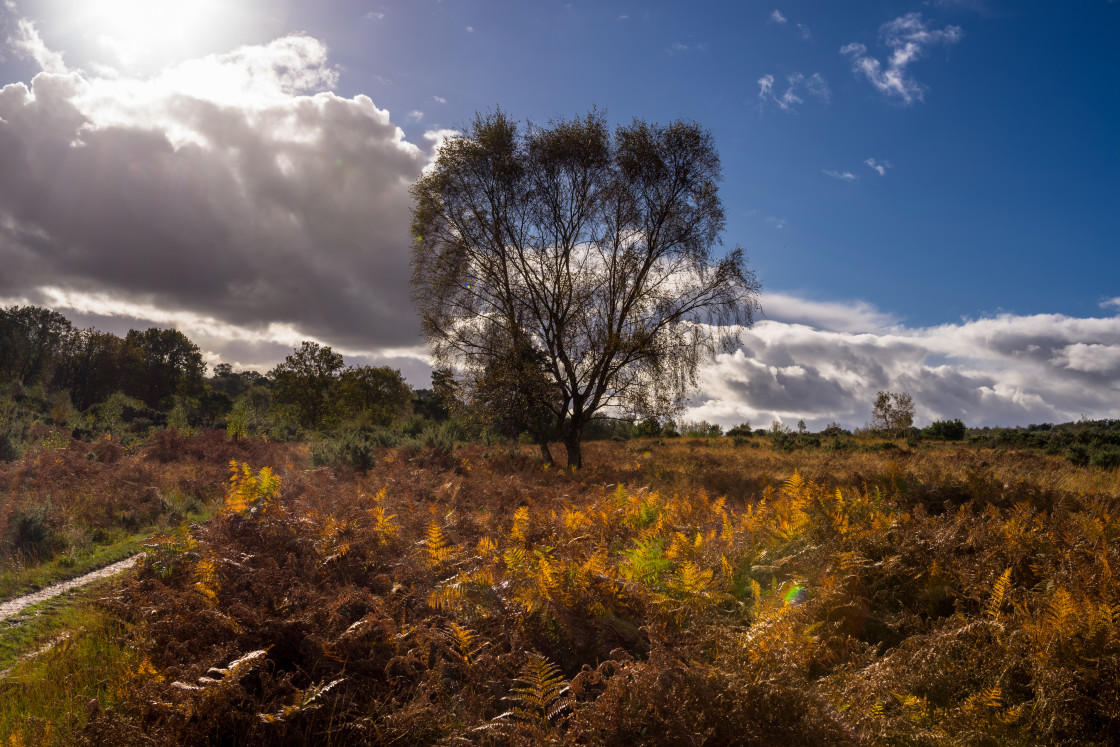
x=355, y=449
x=743, y=429
x=945, y=430
x=30, y=533
x=1077, y=454
x=1106, y=457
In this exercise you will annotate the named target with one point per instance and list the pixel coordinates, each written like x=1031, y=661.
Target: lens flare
x=795, y=595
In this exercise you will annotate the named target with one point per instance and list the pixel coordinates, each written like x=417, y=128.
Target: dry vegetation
x=691, y=592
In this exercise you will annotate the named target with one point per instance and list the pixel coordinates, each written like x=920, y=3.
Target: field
x=685, y=591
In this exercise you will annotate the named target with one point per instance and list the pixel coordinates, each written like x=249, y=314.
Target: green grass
x=44, y=698
x=75, y=562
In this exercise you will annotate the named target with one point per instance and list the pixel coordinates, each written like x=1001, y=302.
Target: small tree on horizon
x=892, y=411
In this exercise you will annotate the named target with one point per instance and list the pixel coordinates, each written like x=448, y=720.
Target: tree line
x=89, y=380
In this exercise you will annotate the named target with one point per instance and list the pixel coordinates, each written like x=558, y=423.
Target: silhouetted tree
x=593, y=251
x=92, y=369
x=158, y=363
x=33, y=342
x=304, y=381
x=371, y=395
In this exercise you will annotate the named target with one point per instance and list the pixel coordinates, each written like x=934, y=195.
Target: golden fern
x=466, y=642
x=519, y=533
x=438, y=550
x=998, y=591
x=539, y=701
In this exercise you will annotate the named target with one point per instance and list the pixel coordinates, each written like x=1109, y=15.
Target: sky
x=928, y=191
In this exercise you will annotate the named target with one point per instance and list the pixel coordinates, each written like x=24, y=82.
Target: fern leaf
x=519, y=533
x=994, y=604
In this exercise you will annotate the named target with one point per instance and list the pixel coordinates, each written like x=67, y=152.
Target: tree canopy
x=589, y=257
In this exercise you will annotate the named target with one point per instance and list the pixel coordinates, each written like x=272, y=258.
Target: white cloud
x=878, y=166
x=415, y=115
x=844, y=176
x=624, y=17
x=470, y=29
x=907, y=37
x=374, y=15
x=797, y=85
x=231, y=192
x=28, y=43
x=1005, y=370
x=439, y=99
x=803, y=30
x=777, y=17
x=1114, y=302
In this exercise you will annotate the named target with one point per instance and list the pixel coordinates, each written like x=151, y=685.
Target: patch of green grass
x=18, y=580
x=46, y=697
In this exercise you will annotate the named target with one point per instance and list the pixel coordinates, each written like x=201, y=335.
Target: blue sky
x=928, y=191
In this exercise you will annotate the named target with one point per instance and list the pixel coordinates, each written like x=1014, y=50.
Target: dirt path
x=12, y=606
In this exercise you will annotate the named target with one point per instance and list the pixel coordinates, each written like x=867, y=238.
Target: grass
x=79, y=561
x=47, y=697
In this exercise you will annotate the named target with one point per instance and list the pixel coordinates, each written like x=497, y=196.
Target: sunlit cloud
x=235, y=192
x=777, y=17
x=29, y=44
x=907, y=37
x=1004, y=370
x=844, y=176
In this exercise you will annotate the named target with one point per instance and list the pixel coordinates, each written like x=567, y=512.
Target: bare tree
x=592, y=251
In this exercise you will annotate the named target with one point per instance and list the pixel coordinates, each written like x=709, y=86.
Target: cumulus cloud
x=907, y=37
x=232, y=190
x=28, y=44
x=1005, y=370
x=797, y=86
x=1113, y=302
x=880, y=167
x=844, y=176
x=777, y=17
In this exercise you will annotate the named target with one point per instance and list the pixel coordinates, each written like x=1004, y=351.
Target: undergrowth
x=682, y=594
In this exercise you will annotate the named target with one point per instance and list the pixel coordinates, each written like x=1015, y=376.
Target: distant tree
x=593, y=251
x=372, y=395
x=158, y=363
x=92, y=369
x=33, y=341
x=892, y=412
x=304, y=380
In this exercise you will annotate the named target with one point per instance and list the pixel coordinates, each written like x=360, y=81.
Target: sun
x=136, y=29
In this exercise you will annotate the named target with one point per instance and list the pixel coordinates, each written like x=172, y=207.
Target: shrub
x=945, y=430
x=1106, y=456
x=30, y=533
x=1077, y=454
x=743, y=429
x=351, y=449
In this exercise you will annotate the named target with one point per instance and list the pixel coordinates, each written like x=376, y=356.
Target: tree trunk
x=575, y=456
x=546, y=455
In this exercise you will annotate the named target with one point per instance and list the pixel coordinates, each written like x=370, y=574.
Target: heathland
x=746, y=589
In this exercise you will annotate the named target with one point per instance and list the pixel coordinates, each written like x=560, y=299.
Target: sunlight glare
x=134, y=29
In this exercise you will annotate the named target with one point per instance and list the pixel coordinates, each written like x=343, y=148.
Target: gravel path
x=12, y=606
